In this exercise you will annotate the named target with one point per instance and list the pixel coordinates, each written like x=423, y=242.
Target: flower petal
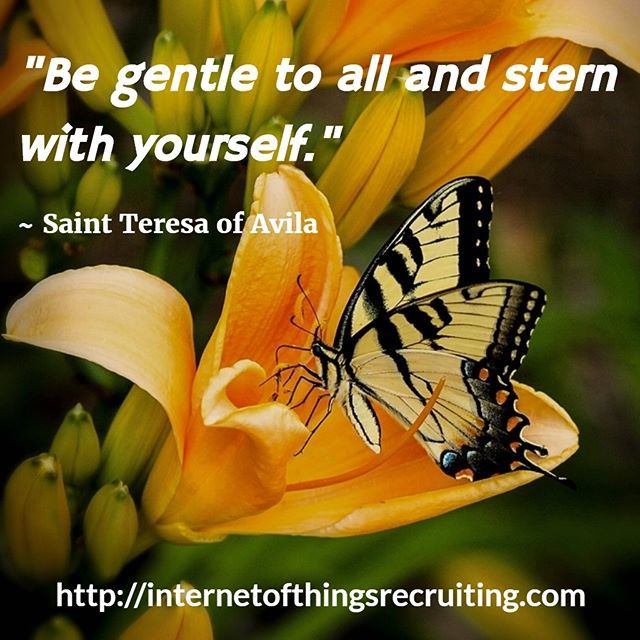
x=480, y=133
x=263, y=292
x=408, y=487
x=123, y=319
x=171, y=623
x=459, y=30
x=234, y=462
x=16, y=82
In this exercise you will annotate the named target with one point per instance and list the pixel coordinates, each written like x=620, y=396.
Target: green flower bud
x=267, y=39
x=134, y=440
x=81, y=31
x=235, y=15
x=110, y=529
x=37, y=522
x=374, y=159
x=99, y=189
x=180, y=112
x=34, y=261
x=58, y=628
x=77, y=447
x=45, y=114
x=192, y=21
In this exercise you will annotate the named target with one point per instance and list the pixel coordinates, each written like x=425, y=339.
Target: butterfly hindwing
x=444, y=244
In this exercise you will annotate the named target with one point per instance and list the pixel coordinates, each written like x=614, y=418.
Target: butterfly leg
x=313, y=385
x=321, y=421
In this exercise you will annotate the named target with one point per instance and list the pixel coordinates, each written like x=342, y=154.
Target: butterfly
x=423, y=310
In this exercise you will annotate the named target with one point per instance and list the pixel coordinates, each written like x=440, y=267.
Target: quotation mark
x=36, y=62
x=333, y=132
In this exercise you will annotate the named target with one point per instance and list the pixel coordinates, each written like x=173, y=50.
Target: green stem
x=157, y=258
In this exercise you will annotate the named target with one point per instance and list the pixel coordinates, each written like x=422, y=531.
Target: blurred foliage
x=566, y=219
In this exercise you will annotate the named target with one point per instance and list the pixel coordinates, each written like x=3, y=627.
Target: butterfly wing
x=444, y=244
x=474, y=336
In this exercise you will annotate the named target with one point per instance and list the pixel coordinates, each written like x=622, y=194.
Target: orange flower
x=230, y=467
x=437, y=30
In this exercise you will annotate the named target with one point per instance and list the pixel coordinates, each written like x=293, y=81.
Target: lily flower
x=231, y=465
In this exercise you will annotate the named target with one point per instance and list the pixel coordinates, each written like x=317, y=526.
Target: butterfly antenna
x=292, y=320
x=317, y=332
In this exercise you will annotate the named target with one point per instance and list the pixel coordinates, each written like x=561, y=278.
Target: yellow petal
x=480, y=133
x=318, y=28
x=459, y=30
x=374, y=160
x=235, y=458
x=406, y=488
x=123, y=319
x=263, y=293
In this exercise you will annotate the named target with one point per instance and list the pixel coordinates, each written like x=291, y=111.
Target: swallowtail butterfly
x=425, y=309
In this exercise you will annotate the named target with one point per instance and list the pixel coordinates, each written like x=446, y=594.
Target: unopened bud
x=110, y=529
x=99, y=189
x=77, y=447
x=374, y=160
x=57, y=628
x=134, y=440
x=176, y=112
x=267, y=39
x=235, y=15
x=37, y=522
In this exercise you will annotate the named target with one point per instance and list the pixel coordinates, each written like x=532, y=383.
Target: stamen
x=378, y=460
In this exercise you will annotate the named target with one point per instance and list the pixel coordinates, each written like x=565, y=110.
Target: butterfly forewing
x=444, y=244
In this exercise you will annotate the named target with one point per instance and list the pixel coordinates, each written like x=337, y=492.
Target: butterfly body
x=423, y=310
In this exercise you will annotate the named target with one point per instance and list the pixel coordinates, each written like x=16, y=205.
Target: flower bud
x=77, y=447
x=37, y=522
x=235, y=15
x=172, y=623
x=274, y=127
x=267, y=39
x=134, y=440
x=191, y=21
x=110, y=529
x=378, y=153
x=180, y=112
x=58, y=628
x=83, y=33
x=45, y=114
x=34, y=261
